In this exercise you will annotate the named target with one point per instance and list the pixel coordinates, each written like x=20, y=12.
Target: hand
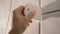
x=20, y=20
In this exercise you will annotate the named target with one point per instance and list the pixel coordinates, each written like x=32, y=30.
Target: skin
x=20, y=20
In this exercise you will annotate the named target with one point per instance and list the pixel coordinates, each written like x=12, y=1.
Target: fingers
x=30, y=21
x=31, y=14
x=20, y=10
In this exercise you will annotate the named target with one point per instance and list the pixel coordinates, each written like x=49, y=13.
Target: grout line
x=40, y=24
x=39, y=27
x=8, y=17
x=39, y=2
x=51, y=12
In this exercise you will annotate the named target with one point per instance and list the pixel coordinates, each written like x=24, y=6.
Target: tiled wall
x=51, y=22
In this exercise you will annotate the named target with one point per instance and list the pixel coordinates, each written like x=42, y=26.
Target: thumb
x=31, y=14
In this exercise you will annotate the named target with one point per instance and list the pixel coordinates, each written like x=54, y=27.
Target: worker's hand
x=20, y=20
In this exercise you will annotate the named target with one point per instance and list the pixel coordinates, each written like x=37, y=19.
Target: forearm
x=15, y=31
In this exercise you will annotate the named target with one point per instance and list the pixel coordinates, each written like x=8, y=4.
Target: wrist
x=14, y=31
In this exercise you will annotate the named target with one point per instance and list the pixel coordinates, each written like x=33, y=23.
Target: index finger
x=19, y=10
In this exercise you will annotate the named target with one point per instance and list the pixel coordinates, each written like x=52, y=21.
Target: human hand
x=20, y=20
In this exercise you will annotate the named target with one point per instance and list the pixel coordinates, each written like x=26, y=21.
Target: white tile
x=51, y=23
x=46, y=2
x=4, y=12
x=50, y=5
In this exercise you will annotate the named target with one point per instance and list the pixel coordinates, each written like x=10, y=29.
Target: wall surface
x=4, y=12
x=50, y=5
x=51, y=22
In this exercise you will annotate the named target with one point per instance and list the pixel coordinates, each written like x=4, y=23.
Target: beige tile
x=51, y=23
x=4, y=12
